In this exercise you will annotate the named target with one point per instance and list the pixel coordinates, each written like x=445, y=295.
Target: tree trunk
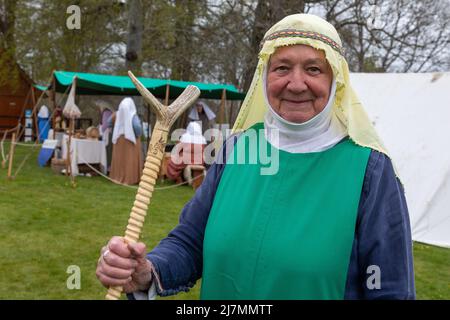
x=184, y=43
x=133, y=57
x=8, y=68
x=267, y=13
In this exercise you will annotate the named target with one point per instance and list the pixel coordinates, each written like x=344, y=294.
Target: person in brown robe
x=127, y=159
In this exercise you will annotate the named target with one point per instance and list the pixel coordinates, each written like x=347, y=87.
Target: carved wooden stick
x=165, y=117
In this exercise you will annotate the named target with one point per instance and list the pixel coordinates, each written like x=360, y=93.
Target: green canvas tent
x=101, y=84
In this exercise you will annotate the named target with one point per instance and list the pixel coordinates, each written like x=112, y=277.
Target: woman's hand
x=124, y=265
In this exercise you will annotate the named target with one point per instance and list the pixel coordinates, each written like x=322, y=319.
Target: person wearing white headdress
x=202, y=114
x=43, y=123
x=127, y=158
x=329, y=222
x=187, y=153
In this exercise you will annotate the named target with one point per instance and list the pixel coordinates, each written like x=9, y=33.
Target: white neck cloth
x=320, y=133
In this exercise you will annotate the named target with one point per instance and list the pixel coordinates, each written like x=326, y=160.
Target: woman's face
x=299, y=80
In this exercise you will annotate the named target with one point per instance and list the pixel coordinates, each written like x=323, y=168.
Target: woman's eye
x=314, y=70
x=281, y=68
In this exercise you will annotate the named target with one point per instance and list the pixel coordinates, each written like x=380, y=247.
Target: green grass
x=46, y=225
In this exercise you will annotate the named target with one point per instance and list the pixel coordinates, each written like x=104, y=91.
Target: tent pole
x=35, y=116
x=166, y=101
x=54, y=103
x=18, y=130
x=34, y=110
x=230, y=115
x=222, y=107
x=54, y=90
x=69, y=153
x=33, y=99
x=11, y=154
x=33, y=96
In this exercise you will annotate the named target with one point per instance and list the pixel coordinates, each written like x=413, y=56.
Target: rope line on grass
x=10, y=130
x=34, y=145
x=22, y=164
x=134, y=187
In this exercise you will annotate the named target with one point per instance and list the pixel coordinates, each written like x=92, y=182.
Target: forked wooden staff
x=165, y=118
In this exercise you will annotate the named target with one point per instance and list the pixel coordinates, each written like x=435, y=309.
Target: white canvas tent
x=411, y=113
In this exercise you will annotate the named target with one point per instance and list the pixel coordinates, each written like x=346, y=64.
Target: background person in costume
x=188, y=152
x=332, y=223
x=59, y=123
x=127, y=159
x=43, y=123
x=203, y=115
x=106, y=132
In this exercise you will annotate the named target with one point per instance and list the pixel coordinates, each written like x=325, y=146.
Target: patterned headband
x=303, y=34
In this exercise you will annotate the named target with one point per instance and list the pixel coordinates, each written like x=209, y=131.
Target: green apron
x=287, y=235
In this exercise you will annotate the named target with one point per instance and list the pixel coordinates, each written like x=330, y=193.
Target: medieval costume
x=127, y=159
x=188, y=152
x=332, y=213
x=106, y=133
x=202, y=114
x=43, y=123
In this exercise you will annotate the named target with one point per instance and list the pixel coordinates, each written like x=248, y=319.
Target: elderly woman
x=330, y=223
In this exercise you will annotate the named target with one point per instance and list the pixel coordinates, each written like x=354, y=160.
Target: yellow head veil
x=313, y=31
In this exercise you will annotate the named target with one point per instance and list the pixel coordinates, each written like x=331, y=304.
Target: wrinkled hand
x=124, y=265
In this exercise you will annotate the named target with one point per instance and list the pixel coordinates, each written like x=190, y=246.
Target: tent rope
x=34, y=108
x=2, y=147
x=32, y=145
x=10, y=130
x=36, y=144
x=134, y=187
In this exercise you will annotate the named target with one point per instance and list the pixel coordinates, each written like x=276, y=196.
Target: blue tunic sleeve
x=137, y=126
x=136, y=123
x=381, y=263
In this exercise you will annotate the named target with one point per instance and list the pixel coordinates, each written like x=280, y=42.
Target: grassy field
x=46, y=225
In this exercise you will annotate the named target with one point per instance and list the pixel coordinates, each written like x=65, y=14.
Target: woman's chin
x=297, y=117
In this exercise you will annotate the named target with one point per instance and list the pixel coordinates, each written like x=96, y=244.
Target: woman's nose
x=297, y=81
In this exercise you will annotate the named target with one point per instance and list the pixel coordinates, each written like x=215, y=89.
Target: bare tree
x=267, y=13
x=391, y=35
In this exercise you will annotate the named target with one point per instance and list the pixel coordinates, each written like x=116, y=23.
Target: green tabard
x=287, y=235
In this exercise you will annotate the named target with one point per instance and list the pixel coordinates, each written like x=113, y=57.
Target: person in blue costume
x=43, y=123
x=328, y=220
